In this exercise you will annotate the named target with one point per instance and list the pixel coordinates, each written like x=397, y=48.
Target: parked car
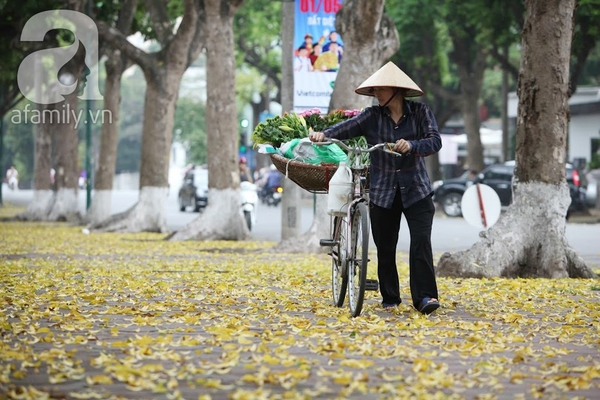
x=448, y=193
x=194, y=190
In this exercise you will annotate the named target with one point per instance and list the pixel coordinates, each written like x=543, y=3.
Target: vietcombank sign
x=318, y=51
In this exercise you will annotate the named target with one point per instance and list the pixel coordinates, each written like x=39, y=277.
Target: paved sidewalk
x=114, y=316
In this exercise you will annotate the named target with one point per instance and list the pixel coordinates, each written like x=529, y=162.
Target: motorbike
x=249, y=202
x=271, y=196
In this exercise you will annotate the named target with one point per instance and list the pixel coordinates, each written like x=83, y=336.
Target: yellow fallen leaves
x=104, y=316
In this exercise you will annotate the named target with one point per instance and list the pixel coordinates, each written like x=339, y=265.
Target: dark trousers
x=385, y=226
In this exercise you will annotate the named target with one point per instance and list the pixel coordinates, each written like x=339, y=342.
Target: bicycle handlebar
x=387, y=147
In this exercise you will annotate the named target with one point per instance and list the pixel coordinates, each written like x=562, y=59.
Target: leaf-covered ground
x=115, y=316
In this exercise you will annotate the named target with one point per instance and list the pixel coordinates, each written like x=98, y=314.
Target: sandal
x=429, y=305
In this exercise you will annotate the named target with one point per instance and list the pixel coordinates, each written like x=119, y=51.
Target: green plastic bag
x=305, y=151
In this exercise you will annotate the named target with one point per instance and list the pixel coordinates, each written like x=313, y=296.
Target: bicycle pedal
x=371, y=284
x=327, y=242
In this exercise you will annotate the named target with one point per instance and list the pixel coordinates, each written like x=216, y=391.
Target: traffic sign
x=480, y=206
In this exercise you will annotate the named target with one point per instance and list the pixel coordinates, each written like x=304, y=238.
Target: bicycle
x=349, y=240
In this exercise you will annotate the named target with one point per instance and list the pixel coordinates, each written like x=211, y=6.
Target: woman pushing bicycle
x=398, y=185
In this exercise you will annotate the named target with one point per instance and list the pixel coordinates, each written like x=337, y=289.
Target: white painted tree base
x=147, y=215
x=221, y=220
x=39, y=207
x=100, y=207
x=528, y=241
x=65, y=205
x=309, y=241
x=48, y=205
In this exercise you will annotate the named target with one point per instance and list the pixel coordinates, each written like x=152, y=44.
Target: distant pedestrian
x=12, y=178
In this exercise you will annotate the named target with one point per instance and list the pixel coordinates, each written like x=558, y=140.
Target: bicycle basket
x=311, y=177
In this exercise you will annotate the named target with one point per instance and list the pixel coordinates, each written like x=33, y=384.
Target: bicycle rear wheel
x=339, y=273
x=358, y=258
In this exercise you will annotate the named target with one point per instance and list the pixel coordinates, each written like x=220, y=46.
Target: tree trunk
x=149, y=214
x=222, y=219
x=66, y=140
x=101, y=204
x=163, y=71
x=370, y=39
x=529, y=240
x=470, y=71
x=57, y=130
x=443, y=111
x=291, y=207
x=116, y=63
x=43, y=194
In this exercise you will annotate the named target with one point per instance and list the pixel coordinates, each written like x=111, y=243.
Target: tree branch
x=160, y=20
x=126, y=16
x=504, y=62
x=588, y=42
x=191, y=32
x=254, y=59
x=118, y=40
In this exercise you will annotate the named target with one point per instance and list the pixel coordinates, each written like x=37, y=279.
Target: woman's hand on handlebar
x=401, y=146
x=316, y=136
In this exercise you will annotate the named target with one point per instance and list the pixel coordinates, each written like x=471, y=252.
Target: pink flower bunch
x=312, y=111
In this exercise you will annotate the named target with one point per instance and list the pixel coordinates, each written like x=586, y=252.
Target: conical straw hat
x=391, y=76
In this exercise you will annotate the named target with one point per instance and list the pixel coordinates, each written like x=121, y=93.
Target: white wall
x=582, y=129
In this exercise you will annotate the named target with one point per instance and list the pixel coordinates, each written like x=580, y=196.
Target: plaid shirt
x=389, y=172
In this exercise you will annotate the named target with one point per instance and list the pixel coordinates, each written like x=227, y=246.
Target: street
x=449, y=234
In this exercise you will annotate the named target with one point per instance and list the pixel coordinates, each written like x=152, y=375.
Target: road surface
x=449, y=234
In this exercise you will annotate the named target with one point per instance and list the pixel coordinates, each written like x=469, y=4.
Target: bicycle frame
x=355, y=218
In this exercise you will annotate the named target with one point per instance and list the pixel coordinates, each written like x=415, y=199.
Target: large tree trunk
x=163, y=71
x=66, y=140
x=370, y=39
x=529, y=240
x=149, y=214
x=116, y=63
x=60, y=204
x=222, y=218
x=103, y=183
x=57, y=131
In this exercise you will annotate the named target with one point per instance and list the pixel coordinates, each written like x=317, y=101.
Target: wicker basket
x=311, y=177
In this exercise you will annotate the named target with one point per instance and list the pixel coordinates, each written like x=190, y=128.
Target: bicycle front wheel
x=339, y=273
x=358, y=258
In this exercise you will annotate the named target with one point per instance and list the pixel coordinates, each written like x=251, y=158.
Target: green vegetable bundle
x=278, y=130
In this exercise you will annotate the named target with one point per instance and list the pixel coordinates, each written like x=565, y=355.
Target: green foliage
x=425, y=41
x=13, y=15
x=190, y=129
x=259, y=44
x=131, y=117
x=258, y=49
x=595, y=162
x=146, y=26
x=18, y=144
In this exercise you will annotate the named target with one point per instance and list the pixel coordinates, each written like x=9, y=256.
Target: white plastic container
x=340, y=190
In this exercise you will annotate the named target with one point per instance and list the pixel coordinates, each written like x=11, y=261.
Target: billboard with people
x=318, y=51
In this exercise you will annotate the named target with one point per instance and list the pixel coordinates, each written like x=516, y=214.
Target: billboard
x=318, y=51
